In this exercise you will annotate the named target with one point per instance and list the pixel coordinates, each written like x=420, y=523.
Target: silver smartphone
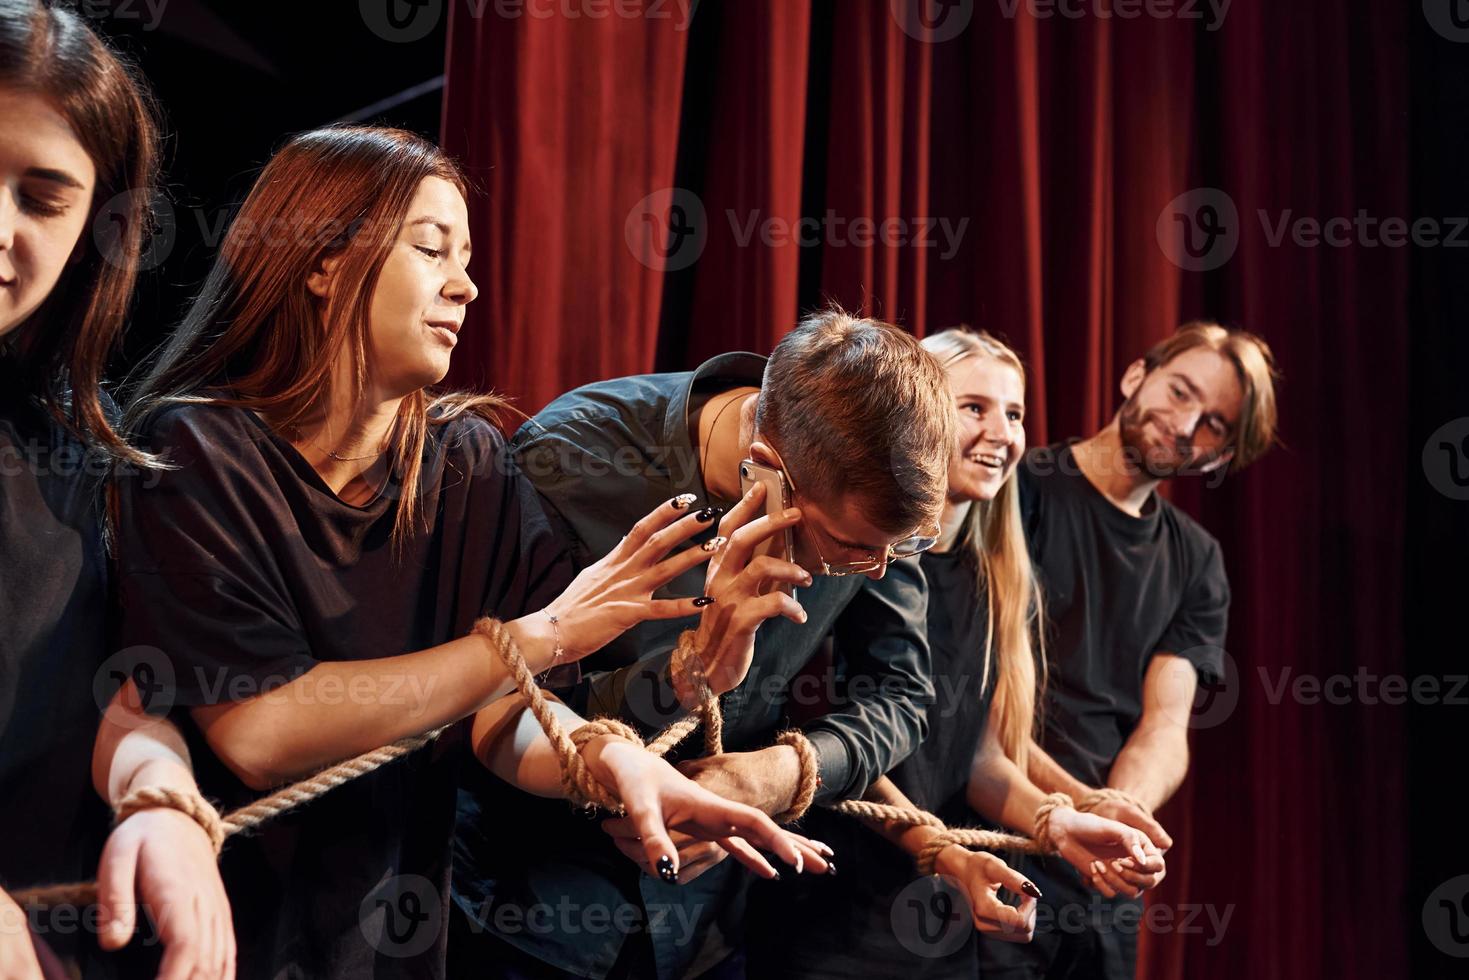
x=777, y=499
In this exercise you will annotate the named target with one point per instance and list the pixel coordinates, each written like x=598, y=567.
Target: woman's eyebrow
x=55, y=176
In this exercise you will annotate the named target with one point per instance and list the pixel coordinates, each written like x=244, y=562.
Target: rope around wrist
x=1106, y=794
x=190, y=804
x=929, y=855
x=1043, y=815
x=810, y=777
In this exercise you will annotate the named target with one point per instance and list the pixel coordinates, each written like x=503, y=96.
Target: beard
x=1159, y=461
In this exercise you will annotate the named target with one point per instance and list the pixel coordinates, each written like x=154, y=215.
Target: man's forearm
x=1151, y=766
x=999, y=791
x=1046, y=773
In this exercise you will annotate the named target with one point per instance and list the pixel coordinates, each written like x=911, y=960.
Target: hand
x=1137, y=818
x=164, y=859
x=695, y=856
x=726, y=637
x=658, y=799
x=17, y=953
x=1094, y=845
x=766, y=779
x=616, y=593
x=981, y=875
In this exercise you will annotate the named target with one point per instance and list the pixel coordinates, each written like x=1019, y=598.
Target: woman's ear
x=321, y=278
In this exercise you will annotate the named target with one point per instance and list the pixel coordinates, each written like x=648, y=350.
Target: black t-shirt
x=53, y=620
x=879, y=916
x=240, y=571
x=1118, y=589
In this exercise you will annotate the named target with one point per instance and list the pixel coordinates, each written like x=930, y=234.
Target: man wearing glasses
x=858, y=421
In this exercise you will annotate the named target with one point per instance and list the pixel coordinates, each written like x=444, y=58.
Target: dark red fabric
x=1062, y=142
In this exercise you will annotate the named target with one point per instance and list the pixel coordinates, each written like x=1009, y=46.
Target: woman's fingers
x=1100, y=881
x=741, y=851
x=656, y=520
x=661, y=542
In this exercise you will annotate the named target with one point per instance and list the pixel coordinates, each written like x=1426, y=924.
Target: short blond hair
x=1255, y=365
x=856, y=406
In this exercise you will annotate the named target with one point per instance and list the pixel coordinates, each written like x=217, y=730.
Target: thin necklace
x=335, y=456
x=704, y=462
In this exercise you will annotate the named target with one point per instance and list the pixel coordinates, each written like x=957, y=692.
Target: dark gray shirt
x=602, y=457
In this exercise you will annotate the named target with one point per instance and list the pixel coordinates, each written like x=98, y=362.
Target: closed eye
x=435, y=252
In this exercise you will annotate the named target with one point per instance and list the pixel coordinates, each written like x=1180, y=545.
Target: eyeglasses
x=909, y=547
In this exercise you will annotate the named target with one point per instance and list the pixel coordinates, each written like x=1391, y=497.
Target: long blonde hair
x=993, y=534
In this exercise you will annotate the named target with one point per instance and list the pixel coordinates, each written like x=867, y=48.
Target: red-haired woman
x=311, y=569
x=76, y=133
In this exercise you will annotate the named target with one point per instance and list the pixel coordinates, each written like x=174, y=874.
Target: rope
x=219, y=829
x=1106, y=794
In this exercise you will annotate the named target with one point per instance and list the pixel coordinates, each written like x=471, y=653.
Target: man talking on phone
x=842, y=438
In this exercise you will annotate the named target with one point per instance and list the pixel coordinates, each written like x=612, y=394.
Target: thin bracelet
x=556, y=638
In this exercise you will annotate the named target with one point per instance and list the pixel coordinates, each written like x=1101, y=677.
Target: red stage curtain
x=1059, y=144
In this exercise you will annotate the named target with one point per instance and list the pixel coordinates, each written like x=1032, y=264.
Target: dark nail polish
x=831, y=868
x=709, y=513
x=665, y=870
x=703, y=601
x=1030, y=889
x=777, y=877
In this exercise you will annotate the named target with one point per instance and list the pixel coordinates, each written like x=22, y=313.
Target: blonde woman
x=982, y=612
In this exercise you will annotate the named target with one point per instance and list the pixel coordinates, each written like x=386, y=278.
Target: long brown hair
x=995, y=540
x=259, y=336
x=59, y=357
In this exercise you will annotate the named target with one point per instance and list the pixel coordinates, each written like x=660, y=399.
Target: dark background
x=1329, y=826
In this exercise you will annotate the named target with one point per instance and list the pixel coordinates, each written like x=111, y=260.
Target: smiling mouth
x=991, y=461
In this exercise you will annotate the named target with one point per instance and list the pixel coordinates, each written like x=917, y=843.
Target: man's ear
x=324, y=275
x=1132, y=378
x=1221, y=460
x=761, y=452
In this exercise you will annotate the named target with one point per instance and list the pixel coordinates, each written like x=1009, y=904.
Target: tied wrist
x=1107, y=794
x=191, y=804
x=687, y=671
x=941, y=841
x=1043, y=814
x=809, y=779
